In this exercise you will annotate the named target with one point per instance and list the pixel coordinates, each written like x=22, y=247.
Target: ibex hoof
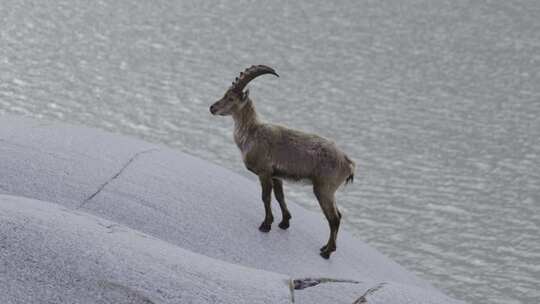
x=284, y=225
x=326, y=251
x=265, y=227
x=325, y=254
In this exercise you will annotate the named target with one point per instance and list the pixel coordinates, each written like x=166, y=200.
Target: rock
x=52, y=254
x=192, y=204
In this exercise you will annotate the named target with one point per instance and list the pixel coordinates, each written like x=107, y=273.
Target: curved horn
x=249, y=74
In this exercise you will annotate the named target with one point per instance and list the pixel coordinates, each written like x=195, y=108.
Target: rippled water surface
x=437, y=101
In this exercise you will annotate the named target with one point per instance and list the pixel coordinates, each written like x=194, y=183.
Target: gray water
x=438, y=102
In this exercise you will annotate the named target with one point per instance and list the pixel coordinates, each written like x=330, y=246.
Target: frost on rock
x=177, y=203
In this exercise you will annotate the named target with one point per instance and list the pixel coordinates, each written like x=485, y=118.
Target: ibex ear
x=245, y=95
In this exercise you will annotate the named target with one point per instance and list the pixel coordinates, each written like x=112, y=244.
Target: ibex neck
x=245, y=118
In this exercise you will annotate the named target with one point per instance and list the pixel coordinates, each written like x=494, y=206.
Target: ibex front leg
x=266, y=185
x=280, y=197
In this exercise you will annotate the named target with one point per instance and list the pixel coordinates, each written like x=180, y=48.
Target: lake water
x=438, y=102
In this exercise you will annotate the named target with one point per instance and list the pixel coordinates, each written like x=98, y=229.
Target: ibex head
x=235, y=97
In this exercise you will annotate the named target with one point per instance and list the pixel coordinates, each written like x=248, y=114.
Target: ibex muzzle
x=275, y=153
x=229, y=103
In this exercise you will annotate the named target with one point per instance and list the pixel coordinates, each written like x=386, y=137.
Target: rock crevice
x=116, y=175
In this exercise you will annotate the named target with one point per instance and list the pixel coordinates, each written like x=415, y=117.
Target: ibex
x=274, y=153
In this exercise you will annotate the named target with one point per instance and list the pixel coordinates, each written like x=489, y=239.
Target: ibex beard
x=275, y=153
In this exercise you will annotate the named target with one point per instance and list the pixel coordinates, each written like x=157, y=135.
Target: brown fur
x=275, y=152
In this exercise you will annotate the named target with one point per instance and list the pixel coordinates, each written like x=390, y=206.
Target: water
x=438, y=102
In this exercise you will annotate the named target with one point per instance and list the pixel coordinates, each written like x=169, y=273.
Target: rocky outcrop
x=190, y=206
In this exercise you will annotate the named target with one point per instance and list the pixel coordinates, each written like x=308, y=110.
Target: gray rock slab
x=52, y=254
x=185, y=201
x=57, y=163
x=372, y=292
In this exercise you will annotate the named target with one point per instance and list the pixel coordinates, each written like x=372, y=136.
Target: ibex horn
x=249, y=74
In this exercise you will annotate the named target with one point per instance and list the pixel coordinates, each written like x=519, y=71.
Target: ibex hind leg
x=326, y=199
x=323, y=248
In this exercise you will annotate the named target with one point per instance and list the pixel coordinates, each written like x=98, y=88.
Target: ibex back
x=274, y=153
